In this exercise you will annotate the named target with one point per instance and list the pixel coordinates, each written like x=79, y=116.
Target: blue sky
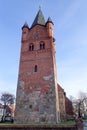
x=70, y=32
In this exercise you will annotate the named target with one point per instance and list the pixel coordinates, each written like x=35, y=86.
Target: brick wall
x=37, y=99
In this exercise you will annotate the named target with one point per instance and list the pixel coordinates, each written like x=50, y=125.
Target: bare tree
x=7, y=98
x=80, y=105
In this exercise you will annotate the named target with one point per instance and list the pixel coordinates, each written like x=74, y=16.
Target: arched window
x=31, y=47
x=35, y=68
x=42, y=45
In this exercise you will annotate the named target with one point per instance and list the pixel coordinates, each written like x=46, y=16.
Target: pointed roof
x=25, y=25
x=49, y=20
x=39, y=19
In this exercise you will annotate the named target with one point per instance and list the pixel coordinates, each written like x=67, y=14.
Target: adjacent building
x=69, y=109
x=62, y=107
x=65, y=105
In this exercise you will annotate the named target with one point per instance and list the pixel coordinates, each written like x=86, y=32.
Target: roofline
x=36, y=25
x=49, y=22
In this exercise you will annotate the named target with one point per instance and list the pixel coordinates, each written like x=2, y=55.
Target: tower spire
x=25, y=25
x=39, y=19
x=39, y=7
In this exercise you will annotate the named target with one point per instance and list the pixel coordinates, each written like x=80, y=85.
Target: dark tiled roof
x=39, y=19
x=49, y=20
x=25, y=25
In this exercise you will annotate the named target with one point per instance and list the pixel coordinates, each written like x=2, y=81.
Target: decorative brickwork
x=37, y=95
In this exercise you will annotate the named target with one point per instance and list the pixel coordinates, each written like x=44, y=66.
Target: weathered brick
x=37, y=96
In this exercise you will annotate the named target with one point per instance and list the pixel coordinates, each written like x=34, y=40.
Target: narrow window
x=31, y=47
x=42, y=45
x=35, y=69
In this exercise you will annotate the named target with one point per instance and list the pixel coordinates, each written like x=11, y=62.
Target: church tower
x=37, y=95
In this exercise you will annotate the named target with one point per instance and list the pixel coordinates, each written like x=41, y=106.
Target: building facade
x=62, y=105
x=69, y=109
x=65, y=105
x=37, y=93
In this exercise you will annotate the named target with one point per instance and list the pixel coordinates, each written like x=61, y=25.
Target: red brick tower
x=37, y=96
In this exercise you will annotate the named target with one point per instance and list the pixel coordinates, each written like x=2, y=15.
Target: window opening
x=42, y=46
x=31, y=47
x=35, y=69
x=30, y=106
